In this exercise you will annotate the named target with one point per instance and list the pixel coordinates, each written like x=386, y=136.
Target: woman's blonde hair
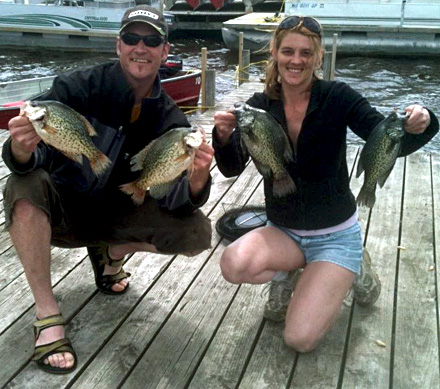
x=272, y=83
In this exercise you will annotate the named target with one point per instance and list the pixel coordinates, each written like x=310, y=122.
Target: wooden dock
x=181, y=325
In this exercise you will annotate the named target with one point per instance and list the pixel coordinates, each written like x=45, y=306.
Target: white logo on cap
x=143, y=13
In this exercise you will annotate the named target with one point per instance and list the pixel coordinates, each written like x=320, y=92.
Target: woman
x=316, y=228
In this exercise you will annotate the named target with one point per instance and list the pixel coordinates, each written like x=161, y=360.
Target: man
x=50, y=199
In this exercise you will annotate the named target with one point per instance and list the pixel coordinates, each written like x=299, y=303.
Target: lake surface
x=386, y=82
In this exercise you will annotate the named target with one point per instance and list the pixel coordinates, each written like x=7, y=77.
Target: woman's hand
x=202, y=164
x=418, y=120
x=224, y=122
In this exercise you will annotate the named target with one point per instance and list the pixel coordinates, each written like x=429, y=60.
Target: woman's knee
x=234, y=265
x=301, y=341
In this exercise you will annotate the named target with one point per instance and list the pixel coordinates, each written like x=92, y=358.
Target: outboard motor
x=171, y=67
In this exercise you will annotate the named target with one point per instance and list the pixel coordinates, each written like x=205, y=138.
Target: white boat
x=364, y=27
x=72, y=25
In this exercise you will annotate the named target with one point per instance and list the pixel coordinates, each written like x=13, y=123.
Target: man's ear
x=165, y=51
x=118, y=46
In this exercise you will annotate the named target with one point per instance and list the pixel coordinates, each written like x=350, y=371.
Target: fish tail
x=283, y=185
x=366, y=197
x=100, y=163
x=137, y=194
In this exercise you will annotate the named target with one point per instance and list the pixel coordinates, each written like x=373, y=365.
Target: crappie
x=267, y=144
x=379, y=155
x=66, y=130
x=161, y=162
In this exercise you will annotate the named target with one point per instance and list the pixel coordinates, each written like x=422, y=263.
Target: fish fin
x=89, y=128
x=100, y=163
x=283, y=185
x=382, y=179
x=243, y=146
x=182, y=158
x=137, y=194
x=360, y=168
x=74, y=157
x=138, y=159
x=190, y=170
x=262, y=169
x=288, y=153
x=50, y=130
x=366, y=197
x=160, y=191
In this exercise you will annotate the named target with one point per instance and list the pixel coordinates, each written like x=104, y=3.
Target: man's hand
x=24, y=139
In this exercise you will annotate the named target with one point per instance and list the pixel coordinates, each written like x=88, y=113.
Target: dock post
x=333, y=65
x=246, y=60
x=326, y=65
x=240, y=56
x=210, y=88
x=204, y=56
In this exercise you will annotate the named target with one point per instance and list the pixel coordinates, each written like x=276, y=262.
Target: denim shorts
x=343, y=248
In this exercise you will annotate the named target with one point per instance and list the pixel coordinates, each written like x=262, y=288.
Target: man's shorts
x=80, y=223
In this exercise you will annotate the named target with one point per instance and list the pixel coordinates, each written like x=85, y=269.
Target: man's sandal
x=99, y=258
x=46, y=350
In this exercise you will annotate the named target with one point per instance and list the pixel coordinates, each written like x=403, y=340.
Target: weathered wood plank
x=174, y=353
x=435, y=268
x=272, y=361
x=167, y=304
x=368, y=363
x=75, y=290
x=228, y=352
x=16, y=298
x=416, y=333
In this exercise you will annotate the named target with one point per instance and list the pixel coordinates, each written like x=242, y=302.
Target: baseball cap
x=145, y=14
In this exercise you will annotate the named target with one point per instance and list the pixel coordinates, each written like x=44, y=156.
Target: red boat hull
x=183, y=88
x=194, y=4
x=217, y=4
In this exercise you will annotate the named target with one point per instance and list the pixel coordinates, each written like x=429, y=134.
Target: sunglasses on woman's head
x=310, y=23
x=132, y=39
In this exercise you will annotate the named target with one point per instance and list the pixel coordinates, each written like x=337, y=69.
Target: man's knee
x=24, y=208
x=30, y=195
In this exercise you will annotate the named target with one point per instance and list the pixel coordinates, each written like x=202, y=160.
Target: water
x=386, y=82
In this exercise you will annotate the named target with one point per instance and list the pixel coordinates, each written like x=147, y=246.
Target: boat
x=217, y=4
x=363, y=27
x=183, y=86
x=68, y=25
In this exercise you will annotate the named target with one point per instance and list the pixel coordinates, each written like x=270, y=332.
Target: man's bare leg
x=30, y=233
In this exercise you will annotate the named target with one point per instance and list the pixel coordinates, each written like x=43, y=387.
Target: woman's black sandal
x=99, y=258
x=46, y=350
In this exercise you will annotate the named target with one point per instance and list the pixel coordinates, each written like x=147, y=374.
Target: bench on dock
x=181, y=325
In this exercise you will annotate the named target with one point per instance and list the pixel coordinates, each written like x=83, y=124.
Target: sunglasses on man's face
x=131, y=39
x=310, y=23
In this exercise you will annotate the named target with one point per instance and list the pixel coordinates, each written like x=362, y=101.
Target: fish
x=161, y=162
x=67, y=131
x=268, y=145
x=379, y=155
